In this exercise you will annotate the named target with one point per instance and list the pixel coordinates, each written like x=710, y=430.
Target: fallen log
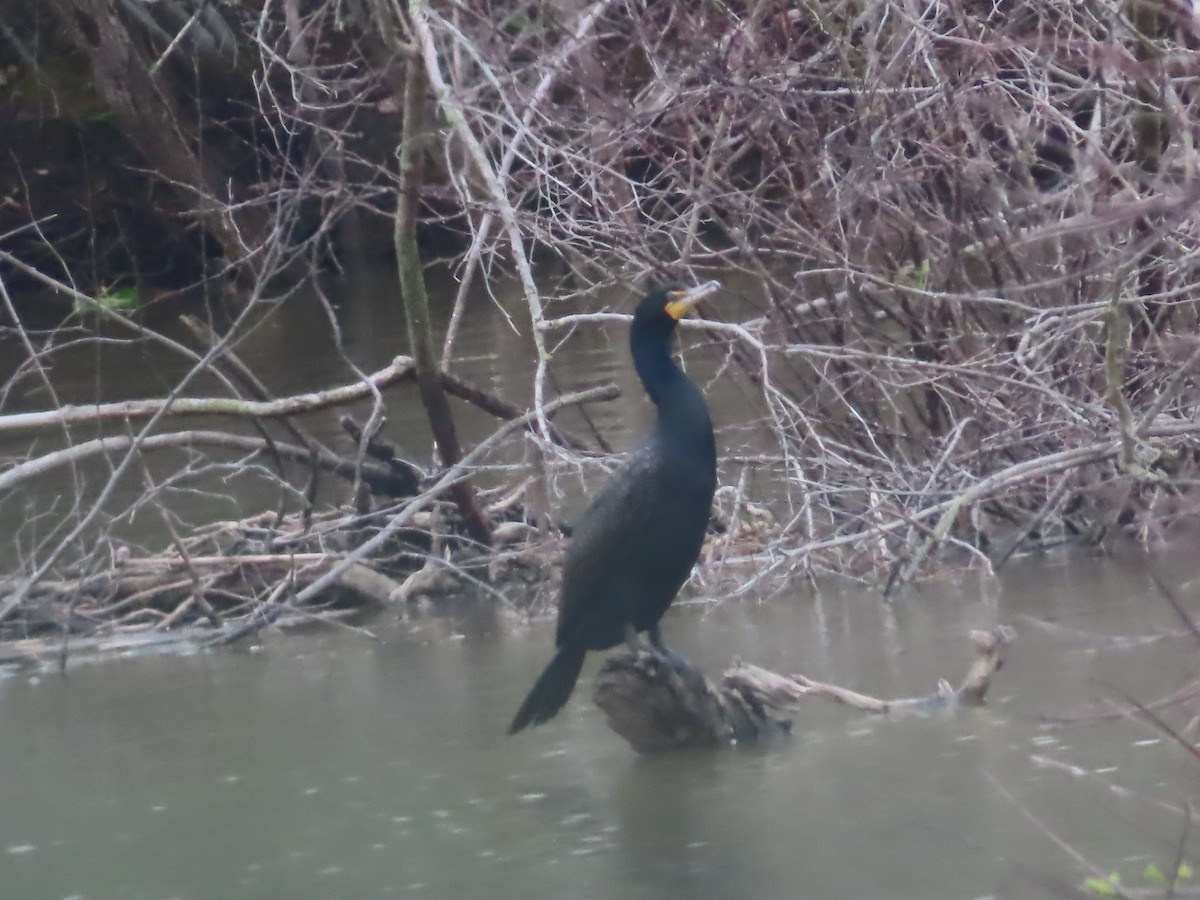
x=660, y=702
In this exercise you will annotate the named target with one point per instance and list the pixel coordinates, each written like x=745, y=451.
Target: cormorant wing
x=605, y=541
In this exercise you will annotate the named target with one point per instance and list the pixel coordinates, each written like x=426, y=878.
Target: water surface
x=331, y=765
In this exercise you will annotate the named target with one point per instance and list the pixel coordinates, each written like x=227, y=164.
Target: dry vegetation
x=965, y=238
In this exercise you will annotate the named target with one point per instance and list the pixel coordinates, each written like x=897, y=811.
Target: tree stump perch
x=662, y=702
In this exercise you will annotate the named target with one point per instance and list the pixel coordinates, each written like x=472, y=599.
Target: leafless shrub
x=964, y=239
x=960, y=242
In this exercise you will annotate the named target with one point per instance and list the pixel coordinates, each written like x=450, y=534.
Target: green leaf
x=915, y=276
x=1103, y=887
x=1154, y=873
x=122, y=298
x=922, y=275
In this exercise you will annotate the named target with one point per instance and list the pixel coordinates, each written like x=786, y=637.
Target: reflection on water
x=330, y=765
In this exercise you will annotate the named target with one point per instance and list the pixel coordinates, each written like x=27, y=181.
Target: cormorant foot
x=632, y=641
x=654, y=633
x=674, y=660
x=671, y=658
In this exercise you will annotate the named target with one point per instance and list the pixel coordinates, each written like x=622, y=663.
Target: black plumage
x=634, y=547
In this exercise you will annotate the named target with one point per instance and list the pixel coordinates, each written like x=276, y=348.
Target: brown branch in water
x=658, y=702
x=780, y=691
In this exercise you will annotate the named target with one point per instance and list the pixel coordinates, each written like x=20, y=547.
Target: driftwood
x=181, y=588
x=225, y=583
x=658, y=702
x=229, y=580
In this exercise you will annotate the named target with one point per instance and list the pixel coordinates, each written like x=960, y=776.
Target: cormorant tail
x=552, y=689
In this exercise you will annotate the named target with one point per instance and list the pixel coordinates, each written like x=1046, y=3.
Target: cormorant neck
x=680, y=403
x=655, y=367
x=682, y=439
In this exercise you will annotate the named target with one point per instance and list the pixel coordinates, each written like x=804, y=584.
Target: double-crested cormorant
x=634, y=547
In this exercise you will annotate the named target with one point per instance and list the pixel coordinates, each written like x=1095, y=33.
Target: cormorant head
x=663, y=307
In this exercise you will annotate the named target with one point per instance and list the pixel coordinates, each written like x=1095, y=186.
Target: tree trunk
x=1154, y=25
x=150, y=117
x=416, y=302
